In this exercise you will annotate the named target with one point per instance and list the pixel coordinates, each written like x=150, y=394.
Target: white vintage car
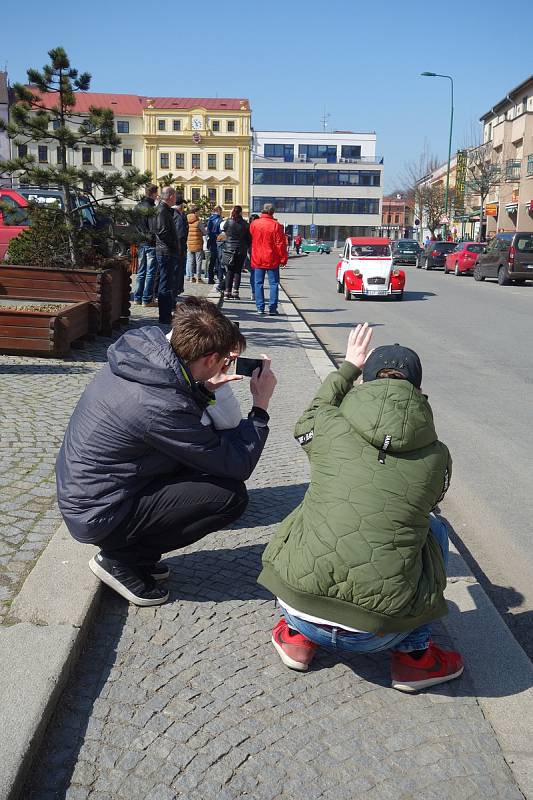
x=366, y=269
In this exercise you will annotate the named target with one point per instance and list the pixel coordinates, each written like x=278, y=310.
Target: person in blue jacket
x=213, y=229
x=143, y=470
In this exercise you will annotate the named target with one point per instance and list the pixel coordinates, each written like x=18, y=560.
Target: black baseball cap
x=394, y=356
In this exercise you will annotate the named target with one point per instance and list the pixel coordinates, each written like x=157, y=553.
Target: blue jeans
x=167, y=266
x=146, y=272
x=273, y=287
x=214, y=261
x=339, y=639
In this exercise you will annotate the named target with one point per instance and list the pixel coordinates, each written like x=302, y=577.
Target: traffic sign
x=312, y=229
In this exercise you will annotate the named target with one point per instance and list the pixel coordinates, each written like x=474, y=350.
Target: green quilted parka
x=357, y=550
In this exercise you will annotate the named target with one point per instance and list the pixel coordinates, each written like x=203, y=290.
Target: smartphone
x=246, y=366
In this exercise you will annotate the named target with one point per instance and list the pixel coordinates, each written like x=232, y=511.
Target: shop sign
x=491, y=209
x=460, y=175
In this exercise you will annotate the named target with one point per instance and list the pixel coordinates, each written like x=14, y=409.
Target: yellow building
x=204, y=143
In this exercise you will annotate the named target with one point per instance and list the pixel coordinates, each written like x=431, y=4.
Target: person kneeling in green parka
x=360, y=564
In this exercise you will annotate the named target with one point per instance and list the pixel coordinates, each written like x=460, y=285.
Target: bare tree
x=414, y=188
x=432, y=199
x=484, y=173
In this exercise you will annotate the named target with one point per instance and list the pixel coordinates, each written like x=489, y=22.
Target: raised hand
x=358, y=341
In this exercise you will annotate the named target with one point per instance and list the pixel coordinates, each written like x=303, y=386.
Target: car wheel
x=457, y=271
x=520, y=282
x=347, y=293
x=426, y=264
x=503, y=278
x=339, y=287
x=477, y=274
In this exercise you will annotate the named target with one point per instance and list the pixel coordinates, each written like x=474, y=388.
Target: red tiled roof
x=210, y=103
x=124, y=104
x=133, y=104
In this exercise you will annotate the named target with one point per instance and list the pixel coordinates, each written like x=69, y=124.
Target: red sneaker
x=295, y=650
x=436, y=666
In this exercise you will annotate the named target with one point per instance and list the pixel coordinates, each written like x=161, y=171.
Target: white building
x=323, y=185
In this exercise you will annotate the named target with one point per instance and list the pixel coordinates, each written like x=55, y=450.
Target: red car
x=13, y=217
x=462, y=260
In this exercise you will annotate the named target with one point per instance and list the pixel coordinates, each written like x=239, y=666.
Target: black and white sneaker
x=135, y=585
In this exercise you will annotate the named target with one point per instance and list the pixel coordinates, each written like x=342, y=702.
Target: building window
x=396, y=219
x=230, y=126
x=324, y=152
x=176, y=125
x=43, y=154
x=56, y=123
x=195, y=161
x=123, y=127
x=127, y=157
x=211, y=161
x=215, y=125
x=321, y=205
x=530, y=164
x=228, y=161
x=351, y=151
x=22, y=150
x=228, y=196
x=180, y=161
x=212, y=195
x=86, y=155
x=284, y=151
x=164, y=160
x=322, y=177
x=161, y=124
x=59, y=155
x=512, y=169
x=195, y=195
x=106, y=156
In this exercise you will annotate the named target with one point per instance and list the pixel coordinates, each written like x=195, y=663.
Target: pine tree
x=45, y=112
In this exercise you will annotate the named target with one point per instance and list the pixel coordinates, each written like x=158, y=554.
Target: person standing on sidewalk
x=142, y=469
x=147, y=261
x=360, y=565
x=167, y=249
x=297, y=243
x=269, y=252
x=195, y=245
x=214, y=222
x=182, y=231
x=234, y=252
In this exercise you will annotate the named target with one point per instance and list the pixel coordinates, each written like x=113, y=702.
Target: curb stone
x=492, y=654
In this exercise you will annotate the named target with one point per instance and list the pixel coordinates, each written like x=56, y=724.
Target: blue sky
x=359, y=62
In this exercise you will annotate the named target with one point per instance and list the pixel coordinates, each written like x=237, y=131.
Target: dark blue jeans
x=167, y=263
x=339, y=639
x=146, y=272
x=212, y=270
x=273, y=288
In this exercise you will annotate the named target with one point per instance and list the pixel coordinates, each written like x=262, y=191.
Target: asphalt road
x=475, y=343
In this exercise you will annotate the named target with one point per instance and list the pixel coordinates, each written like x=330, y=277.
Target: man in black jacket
x=167, y=250
x=147, y=263
x=142, y=470
x=182, y=230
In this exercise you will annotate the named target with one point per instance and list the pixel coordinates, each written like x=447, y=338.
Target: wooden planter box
x=43, y=333
x=107, y=289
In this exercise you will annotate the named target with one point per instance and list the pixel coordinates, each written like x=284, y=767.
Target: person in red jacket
x=269, y=252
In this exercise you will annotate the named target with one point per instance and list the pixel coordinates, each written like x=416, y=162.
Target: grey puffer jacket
x=139, y=418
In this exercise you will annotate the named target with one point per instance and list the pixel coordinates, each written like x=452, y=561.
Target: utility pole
x=324, y=121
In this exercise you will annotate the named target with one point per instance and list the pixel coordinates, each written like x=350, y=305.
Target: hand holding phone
x=263, y=383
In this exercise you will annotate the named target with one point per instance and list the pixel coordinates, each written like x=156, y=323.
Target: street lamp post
x=313, y=202
x=438, y=75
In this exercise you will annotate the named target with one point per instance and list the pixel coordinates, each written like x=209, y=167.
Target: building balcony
x=512, y=170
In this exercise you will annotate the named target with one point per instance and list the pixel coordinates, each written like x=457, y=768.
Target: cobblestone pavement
x=190, y=701
x=37, y=397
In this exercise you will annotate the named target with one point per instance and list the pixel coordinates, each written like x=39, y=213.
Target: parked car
x=315, y=246
x=434, y=254
x=462, y=260
x=13, y=217
x=405, y=251
x=366, y=269
x=508, y=258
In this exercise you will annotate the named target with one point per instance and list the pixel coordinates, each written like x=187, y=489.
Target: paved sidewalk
x=190, y=701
